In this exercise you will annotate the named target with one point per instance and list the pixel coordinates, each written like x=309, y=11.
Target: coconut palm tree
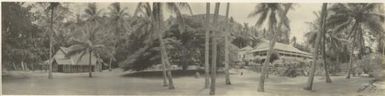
x=156, y=15
x=85, y=42
x=354, y=17
x=214, y=50
x=227, y=67
x=309, y=85
x=207, y=46
x=118, y=24
x=312, y=36
x=270, y=13
x=51, y=7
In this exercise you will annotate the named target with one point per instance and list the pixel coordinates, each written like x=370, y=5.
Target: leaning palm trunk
x=264, y=70
x=158, y=20
x=350, y=61
x=328, y=80
x=214, y=51
x=166, y=65
x=351, y=53
x=207, y=45
x=227, y=67
x=309, y=85
x=267, y=61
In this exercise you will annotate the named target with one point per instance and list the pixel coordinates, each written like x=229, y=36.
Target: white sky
x=303, y=12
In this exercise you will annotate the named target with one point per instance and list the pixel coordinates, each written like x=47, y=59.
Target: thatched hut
x=73, y=64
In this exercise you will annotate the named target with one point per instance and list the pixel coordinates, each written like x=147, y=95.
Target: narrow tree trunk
x=227, y=67
x=207, y=45
x=109, y=65
x=273, y=28
x=159, y=22
x=50, y=45
x=214, y=51
x=165, y=84
x=309, y=85
x=22, y=66
x=89, y=65
x=352, y=51
x=350, y=61
x=169, y=74
x=328, y=80
x=261, y=87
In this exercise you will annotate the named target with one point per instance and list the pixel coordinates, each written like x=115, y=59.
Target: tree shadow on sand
x=158, y=74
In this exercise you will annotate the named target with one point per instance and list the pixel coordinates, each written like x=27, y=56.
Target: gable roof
x=264, y=46
x=61, y=58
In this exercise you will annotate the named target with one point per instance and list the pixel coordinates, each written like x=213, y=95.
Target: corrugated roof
x=264, y=46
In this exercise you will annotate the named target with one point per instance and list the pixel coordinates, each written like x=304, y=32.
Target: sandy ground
x=117, y=83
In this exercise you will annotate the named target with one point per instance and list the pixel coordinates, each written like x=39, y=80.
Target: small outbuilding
x=73, y=64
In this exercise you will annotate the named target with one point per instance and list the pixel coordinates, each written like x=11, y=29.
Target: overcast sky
x=303, y=12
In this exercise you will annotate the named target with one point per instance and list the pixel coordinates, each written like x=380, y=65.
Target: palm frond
x=76, y=49
x=81, y=56
x=262, y=18
x=258, y=10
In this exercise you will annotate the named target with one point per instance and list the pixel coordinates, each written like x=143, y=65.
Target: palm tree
x=354, y=17
x=323, y=49
x=51, y=7
x=207, y=46
x=270, y=13
x=227, y=67
x=156, y=15
x=312, y=36
x=117, y=13
x=86, y=42
x=315, y=51
x=214, y=50
x=144, y=13
x=92, y=12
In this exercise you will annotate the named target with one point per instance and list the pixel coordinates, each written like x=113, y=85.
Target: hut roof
x=264, y=46
x=61, y=58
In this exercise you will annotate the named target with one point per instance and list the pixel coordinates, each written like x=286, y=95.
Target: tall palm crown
x=354, y=19
x=145, y=14
x=271, y=13
x=92, y=12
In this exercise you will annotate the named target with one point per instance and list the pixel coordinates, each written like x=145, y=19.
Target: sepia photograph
x=200, y=48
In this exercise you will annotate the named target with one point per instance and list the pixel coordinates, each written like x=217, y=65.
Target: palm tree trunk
x=89, y=65
x=50, y=45
x=207, y=45
x=227, y=67
x=351, y=53
x=264, y=70
x=165, y=84
x=309, y=85
x=158, y=20
x=261, y=87
x=328, y=80
x=350, y=61
x=214, y=51
x=22, y=65
x=169, y=74
x=109, y=65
